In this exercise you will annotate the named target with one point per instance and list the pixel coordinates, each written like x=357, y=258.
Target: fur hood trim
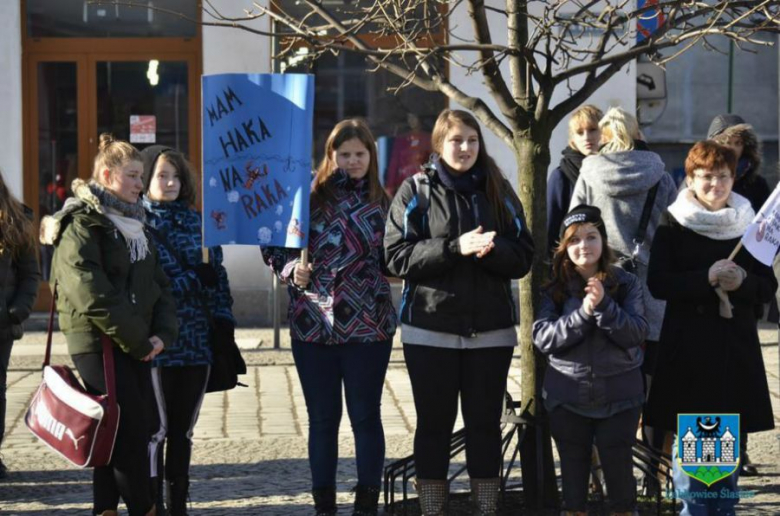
x=749, y=138
x=51, y=225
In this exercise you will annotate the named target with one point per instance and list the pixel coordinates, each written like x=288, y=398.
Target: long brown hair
x=345, y=130
x=16, y=228
x=189, y=190
x=497, y=187
x=564, y=272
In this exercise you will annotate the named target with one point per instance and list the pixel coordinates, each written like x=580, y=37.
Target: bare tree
x=545, y=46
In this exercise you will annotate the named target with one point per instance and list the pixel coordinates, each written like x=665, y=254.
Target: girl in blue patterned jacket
x=201, y=290
x=342, y=320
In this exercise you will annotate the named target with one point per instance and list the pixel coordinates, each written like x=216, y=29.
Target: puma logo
x=69, y=433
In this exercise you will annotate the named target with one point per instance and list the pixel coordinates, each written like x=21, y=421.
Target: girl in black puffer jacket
x=591, y=324
x=458, y=242
x=19, y=278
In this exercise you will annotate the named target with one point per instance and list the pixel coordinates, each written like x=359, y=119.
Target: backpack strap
x=645, y=219
x=422, y=189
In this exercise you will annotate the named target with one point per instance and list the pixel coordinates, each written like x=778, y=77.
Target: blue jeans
x=700, y=500
x=361, y=369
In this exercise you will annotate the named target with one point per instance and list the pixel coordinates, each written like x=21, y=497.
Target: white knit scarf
x=133, y=231
x=725, y=224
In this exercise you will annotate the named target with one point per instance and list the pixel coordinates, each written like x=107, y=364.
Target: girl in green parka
x=110, y=282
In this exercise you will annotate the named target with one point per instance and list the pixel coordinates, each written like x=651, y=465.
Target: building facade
x=74, y=69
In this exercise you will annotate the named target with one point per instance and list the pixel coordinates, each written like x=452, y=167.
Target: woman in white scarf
x=710, y=358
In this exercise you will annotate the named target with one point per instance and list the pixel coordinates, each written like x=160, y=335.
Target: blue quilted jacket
x=181, y=225
x=348, y=298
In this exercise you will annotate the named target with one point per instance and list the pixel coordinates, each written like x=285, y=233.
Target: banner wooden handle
x=735, y=251
x=305, y=257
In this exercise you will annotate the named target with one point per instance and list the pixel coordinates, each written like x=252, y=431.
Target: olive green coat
x=99, y=289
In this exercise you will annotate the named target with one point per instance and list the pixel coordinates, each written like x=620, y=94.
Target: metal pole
x=275, y=312
x=730, y=100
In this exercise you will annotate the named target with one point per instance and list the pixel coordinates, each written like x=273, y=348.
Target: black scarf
x=571, y=163
x=468, y=182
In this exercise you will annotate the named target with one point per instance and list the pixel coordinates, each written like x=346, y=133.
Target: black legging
x=438, y=375
x=128, y=473
x=614, y=437
x=179, y=392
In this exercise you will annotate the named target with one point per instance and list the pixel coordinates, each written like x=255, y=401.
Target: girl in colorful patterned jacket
x=202, y=294
x=342, y=320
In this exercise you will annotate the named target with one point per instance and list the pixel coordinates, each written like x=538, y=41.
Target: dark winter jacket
x=594, y=359
x=445, y=291
x=348, y=298
x=560, y=185
x=180, y=226
x=100, y=290
x=707, y=364
x=19, y=277
x=749, y=183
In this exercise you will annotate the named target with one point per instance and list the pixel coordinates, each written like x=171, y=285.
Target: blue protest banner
x=257, y=141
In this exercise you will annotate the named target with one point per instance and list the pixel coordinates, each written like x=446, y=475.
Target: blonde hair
x=619, y=130
x=112, y=154
x=586, y=116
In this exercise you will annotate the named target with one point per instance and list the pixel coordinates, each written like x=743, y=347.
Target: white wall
x=620, y=90
x=11, y=97
x=229, y=50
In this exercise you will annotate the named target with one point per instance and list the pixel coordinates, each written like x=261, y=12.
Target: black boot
x=178, y=492
x=747, y=468
x=366, y=501
x=325, y=501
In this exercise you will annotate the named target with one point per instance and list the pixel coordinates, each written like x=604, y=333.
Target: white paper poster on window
x=143, y=128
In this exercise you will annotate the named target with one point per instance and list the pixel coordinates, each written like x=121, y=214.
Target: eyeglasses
x=710, y=178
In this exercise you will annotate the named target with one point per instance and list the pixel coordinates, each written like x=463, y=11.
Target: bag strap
x=108, y=357
x=50, y=327
x=646, y=212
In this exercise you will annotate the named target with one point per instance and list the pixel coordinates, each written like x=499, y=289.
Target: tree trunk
x=533, y=158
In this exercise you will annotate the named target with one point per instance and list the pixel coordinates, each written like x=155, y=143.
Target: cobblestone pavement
x=250, y=443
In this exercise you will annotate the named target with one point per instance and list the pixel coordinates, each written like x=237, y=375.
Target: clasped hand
x=476, y=242
x=594, y=294
x=727, y=275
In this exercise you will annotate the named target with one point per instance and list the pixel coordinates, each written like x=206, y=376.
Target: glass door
x=146, y=100
x=143, y=98
x=57, y=126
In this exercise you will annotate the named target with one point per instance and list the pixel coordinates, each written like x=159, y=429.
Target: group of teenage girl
x=128, y=264
x=455, y=233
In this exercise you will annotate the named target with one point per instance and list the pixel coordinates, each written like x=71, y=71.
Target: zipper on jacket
x=512, y=308
x=590, y=372
x=475, y=209
x=411, y=302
